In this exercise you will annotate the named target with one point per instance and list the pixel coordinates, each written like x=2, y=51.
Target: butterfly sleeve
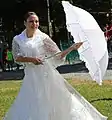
x=51, y=49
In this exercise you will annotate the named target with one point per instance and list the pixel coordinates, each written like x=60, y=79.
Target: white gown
x=44, y=94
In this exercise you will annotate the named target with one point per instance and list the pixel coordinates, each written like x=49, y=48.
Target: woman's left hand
x=75, y=46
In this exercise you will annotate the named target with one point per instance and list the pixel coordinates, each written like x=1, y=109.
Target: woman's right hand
x=37, y=61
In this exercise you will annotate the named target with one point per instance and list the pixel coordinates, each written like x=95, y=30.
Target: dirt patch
x=107, y=82
x=84, y=81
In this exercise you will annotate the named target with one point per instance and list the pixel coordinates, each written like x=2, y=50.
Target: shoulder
x=18, y=38
x=15, y=37
x=42, y=34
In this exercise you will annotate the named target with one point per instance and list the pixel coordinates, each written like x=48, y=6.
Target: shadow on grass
x=101, y=99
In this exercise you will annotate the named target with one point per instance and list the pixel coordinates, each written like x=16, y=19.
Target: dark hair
x=28, y=14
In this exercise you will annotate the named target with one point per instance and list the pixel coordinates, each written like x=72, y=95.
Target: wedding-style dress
x=45, y=94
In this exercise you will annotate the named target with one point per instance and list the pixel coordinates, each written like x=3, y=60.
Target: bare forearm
x=24, y=59
x=71, y=48
x=35, y=61
x=67, y=51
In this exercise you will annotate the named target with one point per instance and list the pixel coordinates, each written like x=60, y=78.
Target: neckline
x=31, y=38
x=28, y=38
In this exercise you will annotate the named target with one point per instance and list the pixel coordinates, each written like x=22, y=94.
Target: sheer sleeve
x=51, y=49
x=16, y=50
x=51, y=46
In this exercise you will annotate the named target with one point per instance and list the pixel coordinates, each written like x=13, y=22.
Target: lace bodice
x=40, y=46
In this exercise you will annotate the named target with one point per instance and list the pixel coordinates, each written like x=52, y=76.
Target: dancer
x=43, y=94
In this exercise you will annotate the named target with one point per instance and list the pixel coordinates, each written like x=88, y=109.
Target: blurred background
x=52, y=22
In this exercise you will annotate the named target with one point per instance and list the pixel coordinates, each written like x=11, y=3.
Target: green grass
x=98, y=96
x=8, y=92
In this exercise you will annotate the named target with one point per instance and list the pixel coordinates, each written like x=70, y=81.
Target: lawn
x=98, y=96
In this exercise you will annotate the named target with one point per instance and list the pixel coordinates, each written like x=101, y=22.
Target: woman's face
x=32, y=23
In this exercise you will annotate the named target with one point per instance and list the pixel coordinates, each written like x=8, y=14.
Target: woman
x=43, y=95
